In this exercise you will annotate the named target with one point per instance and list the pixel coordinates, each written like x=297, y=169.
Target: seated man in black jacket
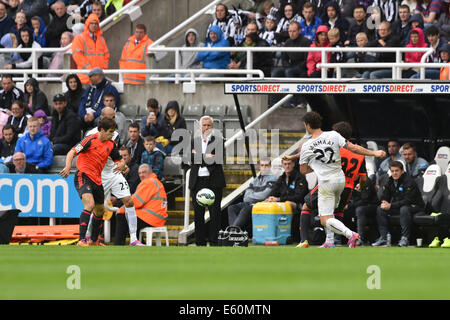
x=400, y=196
x=291, y=187
x=66, y=127
x=294, y=63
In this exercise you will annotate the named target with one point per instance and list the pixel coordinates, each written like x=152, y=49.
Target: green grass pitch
x=204, y=273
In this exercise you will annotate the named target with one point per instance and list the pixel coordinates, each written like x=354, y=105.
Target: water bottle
x=388, y=239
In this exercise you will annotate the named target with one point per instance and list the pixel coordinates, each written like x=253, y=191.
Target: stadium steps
x=235, y=175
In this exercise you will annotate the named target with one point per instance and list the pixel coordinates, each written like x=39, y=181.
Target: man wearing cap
x=91, y=102
x=89, y=48
x=66, y=127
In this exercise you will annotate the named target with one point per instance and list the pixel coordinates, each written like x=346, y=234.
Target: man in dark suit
x=207, y=172
x=20, y=164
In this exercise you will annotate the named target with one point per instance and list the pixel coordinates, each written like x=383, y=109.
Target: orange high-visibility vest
x=445, y=73
x=133, y=57
x=88, y=54
x=150, y=202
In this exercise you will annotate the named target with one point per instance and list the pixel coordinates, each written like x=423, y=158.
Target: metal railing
x=396, y=66
x=249, y=72
x=119, y=85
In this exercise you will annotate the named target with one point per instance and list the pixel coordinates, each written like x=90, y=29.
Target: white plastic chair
x=158, y=231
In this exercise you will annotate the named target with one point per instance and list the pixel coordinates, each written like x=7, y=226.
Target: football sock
x=97, y=224
x=89, y=227
x=130, y=213
x=329, y=236
x=338, y=227
x=305, y=224
x=84, y=222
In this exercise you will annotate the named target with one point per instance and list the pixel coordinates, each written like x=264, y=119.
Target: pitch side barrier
x=340, y=88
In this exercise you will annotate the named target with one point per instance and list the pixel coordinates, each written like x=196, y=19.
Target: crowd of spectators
x=377, y=23
x=46, y=24
x=35, y=128
x=41, y=130
x=285, y=23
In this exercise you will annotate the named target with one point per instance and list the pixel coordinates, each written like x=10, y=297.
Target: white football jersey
x=323, y=155
x=108, y=169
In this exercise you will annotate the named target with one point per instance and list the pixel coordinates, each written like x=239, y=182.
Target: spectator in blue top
x=36, y=147
x=39, y=30
x=153, y=156
x=215, y=60
x=91, y=103
x=310, y=23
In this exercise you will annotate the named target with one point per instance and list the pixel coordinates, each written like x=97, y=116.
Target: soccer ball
x=205, y=197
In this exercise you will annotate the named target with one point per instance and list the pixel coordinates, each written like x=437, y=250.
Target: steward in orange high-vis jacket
x=134, y=54
x=89, y=48
x=150, y=201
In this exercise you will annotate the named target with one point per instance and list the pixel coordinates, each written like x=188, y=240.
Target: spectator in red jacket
x=416, y=40
x=320, y=40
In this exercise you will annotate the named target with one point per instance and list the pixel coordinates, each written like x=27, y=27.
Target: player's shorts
x=84, y=184
x=117, y=185
x=329, y=195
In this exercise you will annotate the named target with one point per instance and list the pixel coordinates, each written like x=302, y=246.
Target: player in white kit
x=321, y=154
x=116, y=184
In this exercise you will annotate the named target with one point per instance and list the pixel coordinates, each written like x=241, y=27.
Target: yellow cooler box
x=271, y=222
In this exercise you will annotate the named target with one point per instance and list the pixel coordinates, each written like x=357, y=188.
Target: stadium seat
x=245, y=110
x=371, y=167
x=442, y=158
x=372, y=145
x=217, y=112
x=428, y=185
x=231, y=119
x=130, y=111
x=428, y=188
x=143, y=111
x=59, y=162
x=149, y=235
x=173, y=170
x=438, y=223
x=192, y=113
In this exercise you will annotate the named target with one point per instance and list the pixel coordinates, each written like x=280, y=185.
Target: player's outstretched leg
x=338, y=227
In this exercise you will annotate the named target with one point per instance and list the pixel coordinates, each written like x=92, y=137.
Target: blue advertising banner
x=40, y=195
